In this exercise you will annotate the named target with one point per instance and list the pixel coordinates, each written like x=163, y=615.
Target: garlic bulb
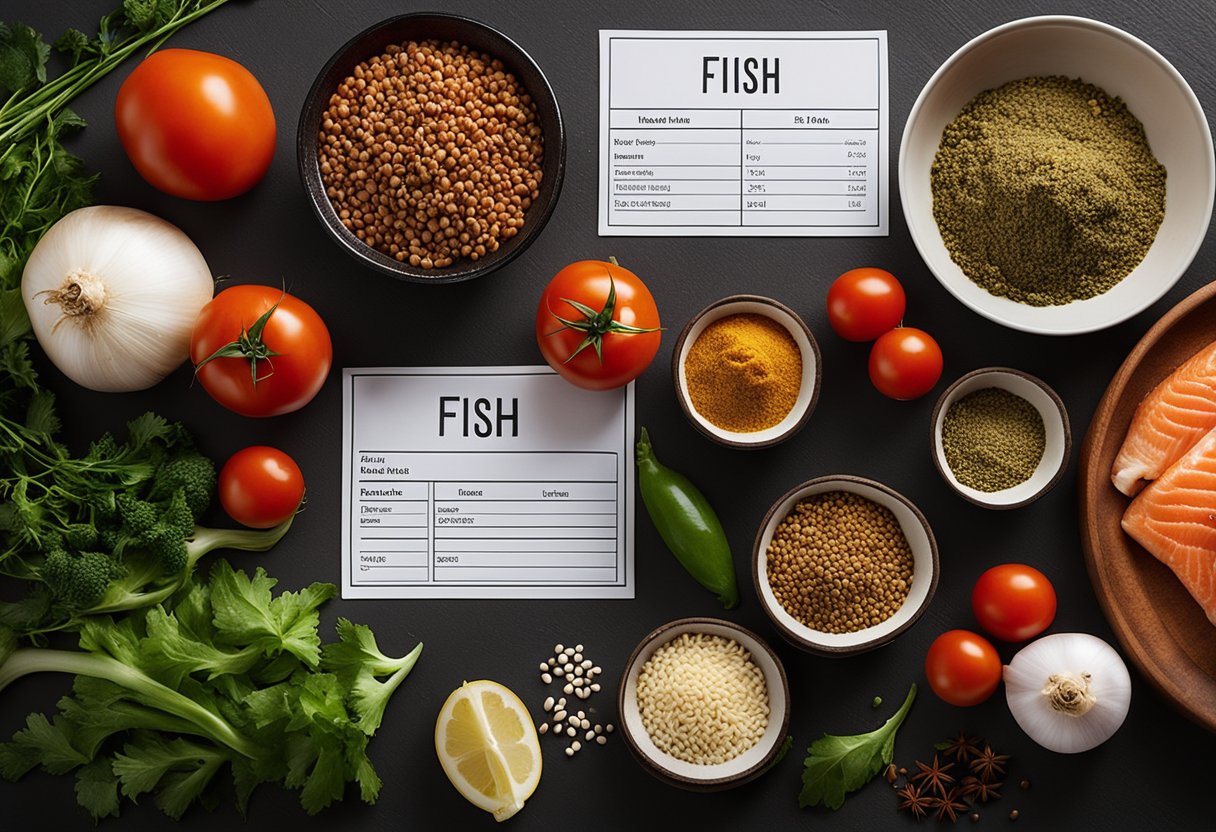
x=113, y=294
x=1069, y=692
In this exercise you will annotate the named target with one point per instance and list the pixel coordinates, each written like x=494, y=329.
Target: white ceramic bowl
x=808, y=392
x=1123, y=66
x=747, y=766
x=924, y=568
x=1055, y=424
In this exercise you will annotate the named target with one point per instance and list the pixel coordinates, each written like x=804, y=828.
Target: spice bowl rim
x=1125, y=67
x=736, y=772
x=921, y=540
x=364, y=45
x=1056, y=423
x=812, y=371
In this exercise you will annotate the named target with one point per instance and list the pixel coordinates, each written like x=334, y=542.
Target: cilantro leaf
x=245, y=614
x=23, y=55
x=97, y=789
x=41, y=742
x=357, y=661
x=838, y=765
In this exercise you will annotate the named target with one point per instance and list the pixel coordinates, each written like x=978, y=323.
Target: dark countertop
x=1152, y=774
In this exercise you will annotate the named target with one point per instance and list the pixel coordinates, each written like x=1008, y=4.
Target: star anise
x=934, y=777
x=950, y=805
x=989, y=765
x=977, y=789
x=913, y=800
x=962, y=748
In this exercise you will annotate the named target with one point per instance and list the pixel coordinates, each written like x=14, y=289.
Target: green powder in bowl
x=993, y=439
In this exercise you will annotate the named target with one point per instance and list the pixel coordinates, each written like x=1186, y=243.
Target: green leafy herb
x=836, y=766
x=223, y=675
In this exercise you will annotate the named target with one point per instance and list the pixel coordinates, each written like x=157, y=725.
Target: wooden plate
x=1159, y=624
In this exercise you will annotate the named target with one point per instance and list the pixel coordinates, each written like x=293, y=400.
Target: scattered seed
x=586, y=723
x=557, y=728
x=1025, y=784
x=578, y=671
x=891, y=773
x=544, y=728
x=975, y=817
x=1013, y=815
x=570, y=752
x=570, y=732
x=549, y=704
x=609, y=728
x=558, y=648
x=597, y=670
x=595, y=686
x=557, y=671
x=587, y=664
x=598, y=728
x=569, y=651
x=582, y=714
x=561, y=702
x=544, y=667
x=559, y=716
x=546, y=678
x=569, y=688
x=578, y=647
x=578, y=682
x=589, y=736
x=601, y=739
x=578, y=657
x=568, y=667
x=576, y=745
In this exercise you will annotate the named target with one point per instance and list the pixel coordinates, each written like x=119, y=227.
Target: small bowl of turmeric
x=746, y=371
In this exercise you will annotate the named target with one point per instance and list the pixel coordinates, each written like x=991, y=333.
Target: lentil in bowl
x=432, y=139
x=843, y=565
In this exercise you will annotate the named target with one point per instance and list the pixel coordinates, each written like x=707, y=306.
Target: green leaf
x=327, y=780
x=97, y=789
x=181, y=769
x=75, y=43
x=23, y=55
x=357, y=661
x=145, y=429
x=14, y=322
x=247, y=616
x=99, y=710
x=41, y=742
x=174, y=653
x=836, y=766
x=41, y=417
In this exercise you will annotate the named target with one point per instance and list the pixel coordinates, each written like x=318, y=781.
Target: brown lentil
x=702, y=699
x=744, y=372
x=431, y=152
x=839, y=563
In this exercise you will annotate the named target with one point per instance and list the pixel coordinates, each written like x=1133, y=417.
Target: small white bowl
x=924, y=568
x=1123, y=66
x=808, y=392
x=1055, y=424
x=742, y=769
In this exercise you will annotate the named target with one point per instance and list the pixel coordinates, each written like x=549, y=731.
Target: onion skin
x=147, y=283
x=1068, y=653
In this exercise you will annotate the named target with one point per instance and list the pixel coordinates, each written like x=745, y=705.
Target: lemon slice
x=488, y=747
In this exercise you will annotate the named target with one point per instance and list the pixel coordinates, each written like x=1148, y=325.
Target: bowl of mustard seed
x=1000, y=437
x=843, y=565
x=431, y=148
x=1057, y=175
x=746, y=371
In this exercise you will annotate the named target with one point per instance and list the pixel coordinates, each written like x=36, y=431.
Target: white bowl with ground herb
x=1057, y=175
x=1000, y=437
x=843, y=565
x=746, y=371
x=704, y=704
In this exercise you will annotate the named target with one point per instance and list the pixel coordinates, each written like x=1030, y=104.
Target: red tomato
x=905, y=363
x=1014, y=602
x=290, y=354
x=962, y=668
x=865, y=303
x=195, y=125
x=260, y=486
x=624, y=320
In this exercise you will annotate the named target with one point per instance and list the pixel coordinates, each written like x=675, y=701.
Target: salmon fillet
x=1170, y=419
x=1175, y=520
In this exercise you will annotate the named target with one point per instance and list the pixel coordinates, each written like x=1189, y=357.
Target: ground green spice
x=1045, y=190
x=993, y=439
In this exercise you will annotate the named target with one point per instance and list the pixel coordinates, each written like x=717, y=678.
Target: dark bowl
x=443, y=27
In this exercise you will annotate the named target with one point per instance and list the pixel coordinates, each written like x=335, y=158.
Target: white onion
x=113, y=294
x=1069, y=692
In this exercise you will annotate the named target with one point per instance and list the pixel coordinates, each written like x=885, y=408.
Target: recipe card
x=743, y=134
x=486, y=482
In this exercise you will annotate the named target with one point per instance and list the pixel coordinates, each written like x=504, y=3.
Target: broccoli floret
x=190, y=472
x=80, y=536
x=138, y=516
x=159, y=532
x=78, y=581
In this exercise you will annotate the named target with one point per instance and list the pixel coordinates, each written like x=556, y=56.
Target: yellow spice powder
x=744, y=372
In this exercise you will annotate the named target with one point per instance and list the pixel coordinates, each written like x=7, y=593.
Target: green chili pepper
x=687, y=524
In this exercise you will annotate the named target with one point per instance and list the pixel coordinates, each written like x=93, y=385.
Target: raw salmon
x=1171, y=419
x=1175, y=520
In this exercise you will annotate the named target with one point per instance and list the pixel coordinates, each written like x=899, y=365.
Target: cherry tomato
x=865, y=303
x=238, y=338
x=905, y=363
x=195, y=125
x=260, y=486
x=962, y=668
x=590, y=301
x=1014, y=602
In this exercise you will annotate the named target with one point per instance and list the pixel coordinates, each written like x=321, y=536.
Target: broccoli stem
x=28, y=660
x=148, y=588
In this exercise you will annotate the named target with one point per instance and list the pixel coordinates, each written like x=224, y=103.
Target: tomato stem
x=595, y=325
x=248, y=346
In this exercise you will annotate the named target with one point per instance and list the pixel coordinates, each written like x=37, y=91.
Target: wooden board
x=1161, y=627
